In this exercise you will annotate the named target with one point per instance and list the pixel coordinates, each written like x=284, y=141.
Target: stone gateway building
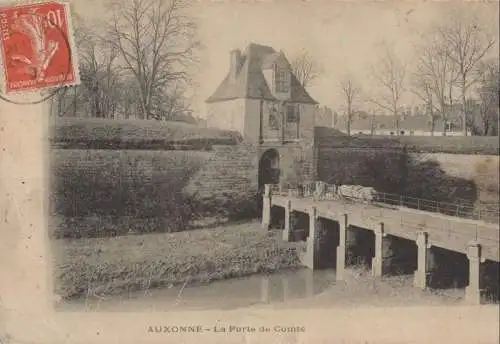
x=263, y=100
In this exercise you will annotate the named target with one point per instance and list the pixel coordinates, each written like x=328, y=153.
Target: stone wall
x=296, y=161
x=234, y=169
x=391, y=165
x=382, y=169
x=469, y=180
x=342, y=159
x=230, y=170
x=226, y=186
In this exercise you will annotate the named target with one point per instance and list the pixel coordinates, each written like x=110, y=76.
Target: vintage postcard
x=181, y=171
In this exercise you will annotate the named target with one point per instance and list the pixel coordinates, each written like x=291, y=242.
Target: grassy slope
x=97, y=129
x=112, y=265
x=485, y=145
x=120, y=184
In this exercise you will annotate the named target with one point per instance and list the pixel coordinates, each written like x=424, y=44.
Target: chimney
x=234, y=63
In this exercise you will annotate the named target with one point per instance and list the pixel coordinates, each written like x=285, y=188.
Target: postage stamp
x=37, y=46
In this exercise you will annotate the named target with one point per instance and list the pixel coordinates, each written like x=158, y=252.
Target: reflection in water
x=227, y=294
x=299, y=284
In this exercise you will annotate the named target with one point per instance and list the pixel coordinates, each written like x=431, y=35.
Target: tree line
x=453, y=70
x=136, y=63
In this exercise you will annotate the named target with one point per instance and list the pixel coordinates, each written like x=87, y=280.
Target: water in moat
x=226, y=294
x=297, y=288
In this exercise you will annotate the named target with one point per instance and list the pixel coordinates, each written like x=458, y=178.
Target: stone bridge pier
x=322, y=242
x=338, y=241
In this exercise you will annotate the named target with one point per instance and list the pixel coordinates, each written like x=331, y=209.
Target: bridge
x=397, y=229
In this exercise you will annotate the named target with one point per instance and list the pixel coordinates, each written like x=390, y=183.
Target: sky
x=343, y=37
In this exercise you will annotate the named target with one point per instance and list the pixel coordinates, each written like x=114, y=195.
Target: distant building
x=412, y=123
x=261, y=98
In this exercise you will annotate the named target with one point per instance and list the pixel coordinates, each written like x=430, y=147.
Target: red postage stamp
x=37, y=46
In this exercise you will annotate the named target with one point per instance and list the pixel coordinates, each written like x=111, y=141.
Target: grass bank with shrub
x=107, y=266
x=96, y=188
x=98, y=133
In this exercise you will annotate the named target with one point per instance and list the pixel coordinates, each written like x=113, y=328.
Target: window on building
x=402, y=132
x=450, y=126
x=292, y=114
x=282, y=80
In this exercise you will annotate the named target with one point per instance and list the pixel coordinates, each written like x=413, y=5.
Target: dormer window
x=281, y=79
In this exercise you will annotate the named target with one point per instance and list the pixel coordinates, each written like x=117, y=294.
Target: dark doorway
x=269, y=168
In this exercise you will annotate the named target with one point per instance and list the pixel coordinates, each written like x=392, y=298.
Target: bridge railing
x=447, y=228
x=323, y=191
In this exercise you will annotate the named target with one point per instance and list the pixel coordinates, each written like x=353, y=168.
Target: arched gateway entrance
x=269, y=168
x=269, y=173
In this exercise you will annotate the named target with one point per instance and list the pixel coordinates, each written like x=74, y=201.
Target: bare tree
x=305, y=68
x=172, y=104
x=488, y=92
x=435, y=79
x=99, y=73
x=465, y=42
x=390, y=74
x=422, y=87
x=351, y=93
x=156, y=41
x=62, y=102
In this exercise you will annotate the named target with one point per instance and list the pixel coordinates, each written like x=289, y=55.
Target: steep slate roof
x=299, y=93
x=250, y=81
